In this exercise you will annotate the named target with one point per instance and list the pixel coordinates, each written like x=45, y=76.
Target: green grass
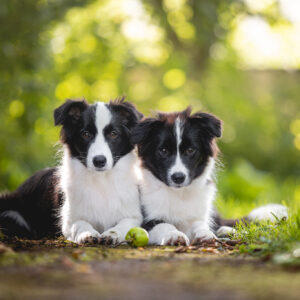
x=243, y=188
x=267, y=239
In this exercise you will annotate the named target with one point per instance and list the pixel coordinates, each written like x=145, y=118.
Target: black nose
x=99, y=161
x=178, y=177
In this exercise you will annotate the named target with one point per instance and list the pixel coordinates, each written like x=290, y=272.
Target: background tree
x=162, y=55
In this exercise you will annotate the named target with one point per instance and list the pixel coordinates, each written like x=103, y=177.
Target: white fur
x=100, y=147
x=225, y=230
x=163, y=234
x=99, y=202
x=268, y=213
x=16, y=217
x=186, y=210
x=178, y=165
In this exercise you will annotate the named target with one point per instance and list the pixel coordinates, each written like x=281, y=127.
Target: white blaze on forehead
x=102, y=116
x=178, y=165
x=178, y=132
x=100, y=146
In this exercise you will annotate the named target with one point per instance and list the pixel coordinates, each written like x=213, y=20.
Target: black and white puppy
x=101, y=197
x=94, y=190
x=177, y=153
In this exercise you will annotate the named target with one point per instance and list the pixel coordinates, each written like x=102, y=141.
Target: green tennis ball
x=137, y=237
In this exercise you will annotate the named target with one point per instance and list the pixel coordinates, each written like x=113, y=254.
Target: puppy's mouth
x=178, y=185
x=100, y=169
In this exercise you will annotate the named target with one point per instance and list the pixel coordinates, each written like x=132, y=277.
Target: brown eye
x=113, y=134
x=163, y=152
x=190, y=151
x=86, y=135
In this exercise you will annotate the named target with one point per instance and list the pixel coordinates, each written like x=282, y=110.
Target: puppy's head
x=176, y=147
x=98, y=135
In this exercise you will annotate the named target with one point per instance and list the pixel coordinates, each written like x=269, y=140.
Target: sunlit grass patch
x=271, y=240
x=243, y=188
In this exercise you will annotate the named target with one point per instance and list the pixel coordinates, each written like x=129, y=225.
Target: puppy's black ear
x=142, y=131
x=70, y=112
x=211, y=124
x=128, y=113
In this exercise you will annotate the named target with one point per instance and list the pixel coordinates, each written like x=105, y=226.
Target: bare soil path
x=59, y=270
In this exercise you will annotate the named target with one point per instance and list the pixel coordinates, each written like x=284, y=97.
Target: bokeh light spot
x=258, y=6
x=295, y=127
x=141, y=91
x=88, y=44
x=297, y=142
x=16, y=109
x=104, y=89
x=172, y=103
x=297, y=193
x=174, y=79
x=174, y=4
x=186, y=31
x=74, y=86
x=151, y=54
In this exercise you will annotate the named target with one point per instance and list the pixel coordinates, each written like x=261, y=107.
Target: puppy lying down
x=177, y=153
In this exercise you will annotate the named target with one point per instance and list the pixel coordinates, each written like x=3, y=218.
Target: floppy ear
x=70, y=112
x=128, y=113
x=208, y=122
x=142, y=130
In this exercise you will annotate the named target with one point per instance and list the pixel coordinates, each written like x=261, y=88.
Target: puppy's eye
x=163, y=152
x=190, y=151
x=113, y=134
x=86, y=135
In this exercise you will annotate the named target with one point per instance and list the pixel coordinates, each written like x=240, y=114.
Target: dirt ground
x=60, y=270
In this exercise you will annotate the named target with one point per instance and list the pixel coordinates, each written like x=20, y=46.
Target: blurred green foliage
x=162, y=55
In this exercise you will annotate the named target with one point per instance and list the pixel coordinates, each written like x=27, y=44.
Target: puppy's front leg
x=167, y=234
x=200, y=232
x=81, y=232
x=118, y=233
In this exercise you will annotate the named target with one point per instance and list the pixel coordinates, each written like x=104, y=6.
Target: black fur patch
x=154, y=134
x=124, y=118
x=76, y=117
x=37, y=201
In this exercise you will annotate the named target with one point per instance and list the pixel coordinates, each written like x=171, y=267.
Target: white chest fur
x=179, y=207
x=101, y=199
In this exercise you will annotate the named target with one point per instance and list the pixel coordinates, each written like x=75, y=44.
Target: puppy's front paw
x=203, y=236
x=175, y=238
x=110, y=237
x=224, y=231
x=90, y=237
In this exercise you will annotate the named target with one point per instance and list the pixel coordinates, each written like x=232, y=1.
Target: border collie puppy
x=177, y=153
x=93, y=194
